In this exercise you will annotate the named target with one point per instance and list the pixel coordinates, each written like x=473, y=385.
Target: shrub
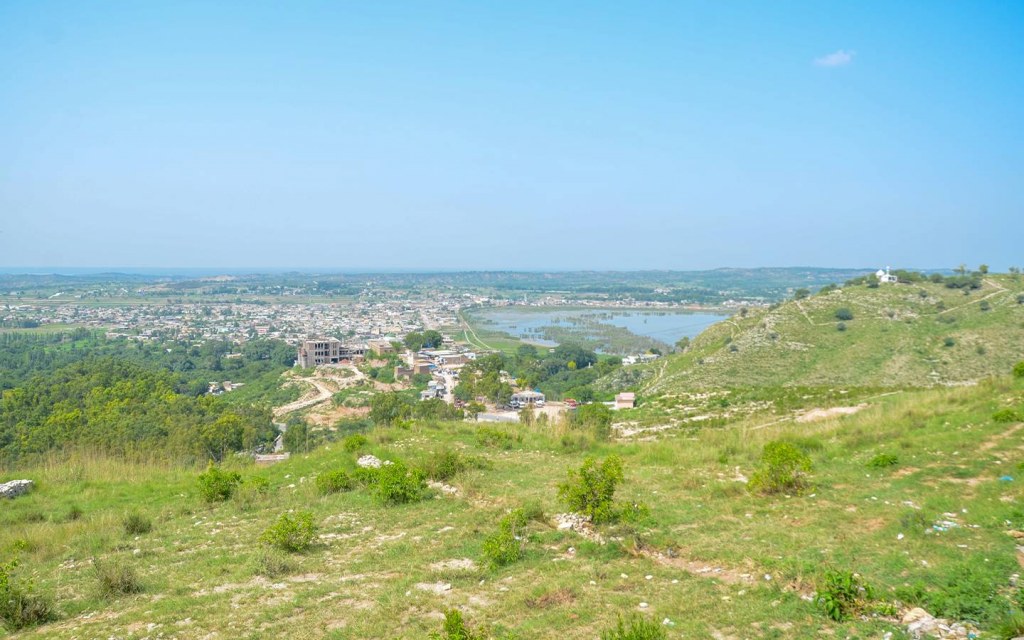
x=783, y=469
x=949, y=342
x=844, y=314
x=444, y=465
x=637, y=628
x=590, y=490
x=355, y=443
x=841, y=326
x=984, y=305
x=291, y=534
x=505, y=546
x=136, y=524
x=20, y=606
x=1018, y=370
x=397, y=484
x=1005, y=415
x=116, y=579
x=596, y=417
x=271, y=563
x=454, y=628
x=251, y=491
x=334, y=481
x=845, y=594
x=216, y=485
x=883, y=460
x=491, y=437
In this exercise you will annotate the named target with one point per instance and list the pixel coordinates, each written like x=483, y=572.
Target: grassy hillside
x=903, y=335
x=928, y=526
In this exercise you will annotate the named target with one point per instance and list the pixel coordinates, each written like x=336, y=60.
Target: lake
x=666, y=326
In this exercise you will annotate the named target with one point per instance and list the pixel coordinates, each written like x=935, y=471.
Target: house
x=885, y=276
x=527, y=399
x=625, y=400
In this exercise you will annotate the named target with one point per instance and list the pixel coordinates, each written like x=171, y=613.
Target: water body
x=664, y=326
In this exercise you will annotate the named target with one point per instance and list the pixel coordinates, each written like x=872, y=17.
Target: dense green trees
x=429, y=339
x=120, y=407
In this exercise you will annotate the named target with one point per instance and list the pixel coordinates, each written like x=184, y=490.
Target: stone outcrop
x=15, y=488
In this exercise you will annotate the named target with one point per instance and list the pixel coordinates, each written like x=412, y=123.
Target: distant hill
x=907, y=334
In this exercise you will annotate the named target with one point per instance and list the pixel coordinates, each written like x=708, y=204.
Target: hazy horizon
x=535, y=136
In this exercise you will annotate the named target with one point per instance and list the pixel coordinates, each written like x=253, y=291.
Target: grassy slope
x=895, y=339
x=359, y=582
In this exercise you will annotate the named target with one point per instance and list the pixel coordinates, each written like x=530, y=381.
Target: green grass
x=203, y=570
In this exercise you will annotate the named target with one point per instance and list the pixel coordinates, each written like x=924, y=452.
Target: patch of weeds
x=914, y=520
x=271, y=563
x=216, y=485
x=496, y=438
x=1004, y=416
x=334, y=482
x=637, y=628
x=136, y=524
x=20, y=606
x=844, y=595
x=116, y=579
x=455, y=628
x=506, y=545
x=590, y=489
x=292, y=534
x=883, y=461
x=783, y=469
x=74, y=512
x=1010, y=626
x=966, y=592
x=445, y=465
x=251, y=492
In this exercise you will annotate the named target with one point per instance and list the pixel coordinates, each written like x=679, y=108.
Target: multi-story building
x=326, y=351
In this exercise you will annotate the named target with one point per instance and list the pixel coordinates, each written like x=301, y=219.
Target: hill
x=915, y=494
x=894, y=335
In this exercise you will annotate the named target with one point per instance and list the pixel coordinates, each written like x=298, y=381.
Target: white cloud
x=839, y=58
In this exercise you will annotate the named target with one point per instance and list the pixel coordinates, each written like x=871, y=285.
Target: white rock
x=15, y=488
x=369, y=462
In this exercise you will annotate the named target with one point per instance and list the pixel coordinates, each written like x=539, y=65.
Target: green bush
x=271, y=563
x=505, y=546
x=445, y=465
x=844, y=314
x=844, y=595
x=216, y=485
x=355, y=443
x=883, y=460
x=20, y=606
x=1018, y=370
x=841, y=326
x=591, y=489
x=455, y=628
x=136, y=524
x=595, y=417
x=333, y=482
x=783, y=469
x=116, y=579
x=637, y=628
x=292, y=534
x=252, y=491
x=397, y=484
x=1005, y=415
x=496, y=438
x=949, y=342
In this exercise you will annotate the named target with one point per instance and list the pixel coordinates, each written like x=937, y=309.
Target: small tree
x=590, y=489
x=844, y=314
x=783, y=469
x=800, y=294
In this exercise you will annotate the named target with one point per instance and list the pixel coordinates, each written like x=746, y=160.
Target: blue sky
x=572, y=135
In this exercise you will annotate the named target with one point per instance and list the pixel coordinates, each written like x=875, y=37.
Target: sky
x=511, y=135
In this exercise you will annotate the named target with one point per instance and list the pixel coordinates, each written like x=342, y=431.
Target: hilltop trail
x=323, y=392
